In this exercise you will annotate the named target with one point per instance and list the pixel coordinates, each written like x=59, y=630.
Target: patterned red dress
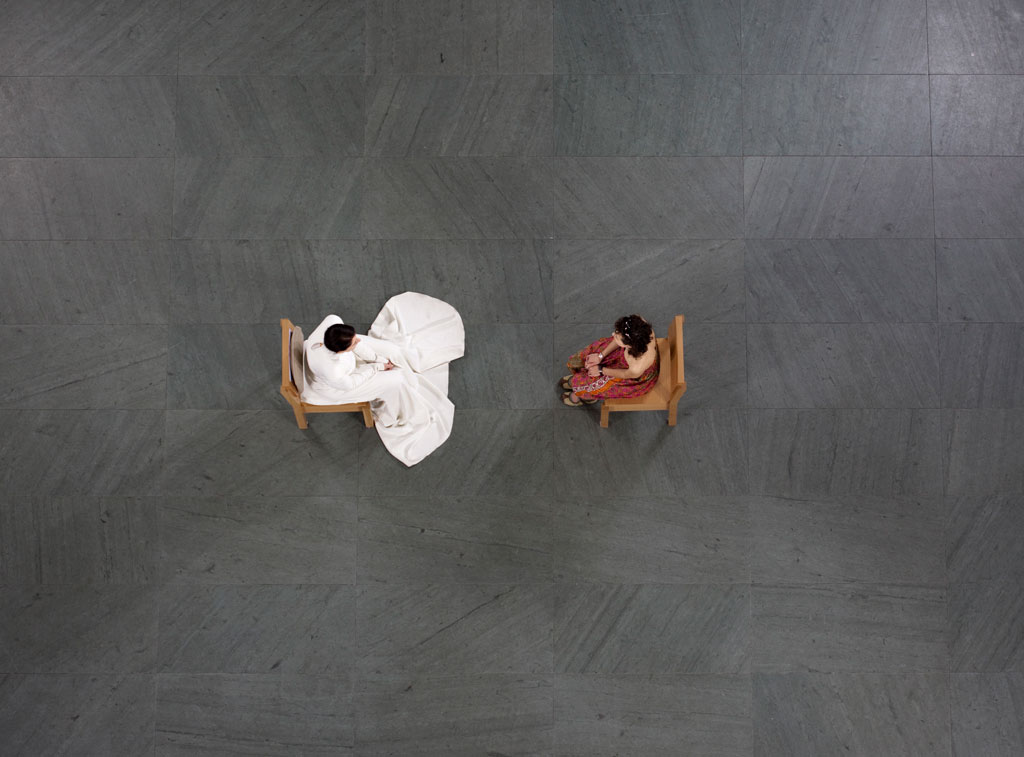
x=606, y=387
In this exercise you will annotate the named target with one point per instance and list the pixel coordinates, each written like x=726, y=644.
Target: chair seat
x=669, y=387
x=661, y=393
x=293, y=380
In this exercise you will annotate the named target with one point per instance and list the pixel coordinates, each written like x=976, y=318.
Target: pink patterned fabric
x=605, y=387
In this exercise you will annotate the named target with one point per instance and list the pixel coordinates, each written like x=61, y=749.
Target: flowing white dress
x=410, y=405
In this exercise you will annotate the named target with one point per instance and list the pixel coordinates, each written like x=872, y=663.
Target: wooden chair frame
x=671, y=381
x=292, y=380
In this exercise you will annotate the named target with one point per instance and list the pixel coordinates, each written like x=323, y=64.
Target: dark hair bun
x=636, y=333
x=338, y=337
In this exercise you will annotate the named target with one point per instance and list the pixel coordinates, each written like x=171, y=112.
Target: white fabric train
x=412, y=413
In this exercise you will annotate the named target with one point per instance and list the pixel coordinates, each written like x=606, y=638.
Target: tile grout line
x=751, y=719
x=943, y=456
x=414, y=74
x=445, y=240
x=552, y=416
x=746, y=321
x=355, y=680
x=161, y=584
x=943, y=462
x=174, y=129
x=535, y=158
x=551, y=411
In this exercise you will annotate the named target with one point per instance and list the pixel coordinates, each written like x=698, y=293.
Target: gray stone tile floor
x=824, y=556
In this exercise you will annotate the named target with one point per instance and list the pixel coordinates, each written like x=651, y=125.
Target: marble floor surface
x=824, y=557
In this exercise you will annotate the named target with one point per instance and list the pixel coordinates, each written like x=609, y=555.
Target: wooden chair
x=671, y=381
x=293, y=378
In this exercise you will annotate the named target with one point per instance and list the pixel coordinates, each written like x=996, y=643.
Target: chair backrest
x=292, y=375
x=675, y=341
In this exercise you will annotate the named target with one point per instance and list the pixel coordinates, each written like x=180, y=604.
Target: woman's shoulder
x=650, y=356
x=652, y=349
x=317, y=354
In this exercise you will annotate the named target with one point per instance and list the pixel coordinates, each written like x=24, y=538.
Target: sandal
x=565, y=384
x=567, y=399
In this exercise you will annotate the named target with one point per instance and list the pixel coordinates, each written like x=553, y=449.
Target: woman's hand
x=388, y=365
x=595, y=371
x=592, y=360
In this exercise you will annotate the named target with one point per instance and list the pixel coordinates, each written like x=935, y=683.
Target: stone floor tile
x=840, y=280
x=417, y=116
x=647, y=36
x=94, y=38
x=838, y=197
x=974, y=37
x=270, y=715
x=863, y=539
x=818, y=37
x=840, y=627
x=282, y=629
x=836, y=115
x=259, y=116
x=858, y=713
x=78, y=540
x=257, y=540
x=455, y=539
x=454, y=629
x=987, y=714
x=652, y=629
x=450, y=37
x=76, y=628
x=645, y=540
x=596, y=716
x=270, y=38
x=454, y=715
x=77, y=714
x=647, y=115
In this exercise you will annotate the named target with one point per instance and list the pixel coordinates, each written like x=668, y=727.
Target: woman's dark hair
x=338, y=337
x=635, y=332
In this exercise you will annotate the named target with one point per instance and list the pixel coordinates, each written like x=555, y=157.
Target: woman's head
x=338, y=337
x=633, y=333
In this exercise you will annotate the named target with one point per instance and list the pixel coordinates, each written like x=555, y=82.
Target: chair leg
x=605, y=412
x=367, y=417
x=300, y=417
x=672, y=414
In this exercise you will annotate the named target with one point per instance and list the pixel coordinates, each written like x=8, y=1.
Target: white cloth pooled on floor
x=411, y=410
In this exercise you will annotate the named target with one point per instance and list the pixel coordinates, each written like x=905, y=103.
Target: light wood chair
x=293, y=378
x=671, y=381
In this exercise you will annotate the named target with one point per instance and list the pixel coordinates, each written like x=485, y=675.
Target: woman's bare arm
x=637, y=366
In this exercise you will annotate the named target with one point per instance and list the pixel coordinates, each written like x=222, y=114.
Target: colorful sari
x=606, y=387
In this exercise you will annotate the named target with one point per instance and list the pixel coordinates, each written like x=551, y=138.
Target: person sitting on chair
x=341, y=361
x=624, y=364
x=400, y=367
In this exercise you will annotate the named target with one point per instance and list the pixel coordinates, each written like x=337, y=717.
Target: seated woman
x=624, y=364
x=400, y=368
x=341, y=362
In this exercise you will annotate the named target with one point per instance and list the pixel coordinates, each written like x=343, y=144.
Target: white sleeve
x=366, y=353
x=361, y=375
x=317, y=334
x=337, y=371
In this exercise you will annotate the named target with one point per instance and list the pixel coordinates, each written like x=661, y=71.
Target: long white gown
x=412, y=413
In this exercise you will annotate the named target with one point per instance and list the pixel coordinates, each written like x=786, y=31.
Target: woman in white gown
x=400, y=367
